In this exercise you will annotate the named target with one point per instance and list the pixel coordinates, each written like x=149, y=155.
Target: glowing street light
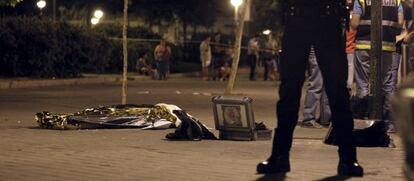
x=236, y=4
x=41, y=4
x=98, y=14
x=267, y=32
x=95, y=21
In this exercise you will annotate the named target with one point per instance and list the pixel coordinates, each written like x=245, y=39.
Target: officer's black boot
x=348, y=164
x=350, y=169
x=278, y=162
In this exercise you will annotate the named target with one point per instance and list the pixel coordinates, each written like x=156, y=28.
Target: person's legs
x=160, y=70
x=205, y=73
x=296, y=47
x=162, y=67
x=252, y=62
x=351, y=59
x=361, y=66
x=331, y=57
x=273, y=69
x=314, y=92
x=391, y=62
x=266, y=64
x=325, y=110
x=362, y=72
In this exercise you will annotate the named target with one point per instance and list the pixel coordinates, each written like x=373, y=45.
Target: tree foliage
x=268, y=15
x=9, y=2
x=195, y=12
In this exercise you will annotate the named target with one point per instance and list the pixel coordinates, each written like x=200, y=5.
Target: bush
x=40, y=48
x=115, y=30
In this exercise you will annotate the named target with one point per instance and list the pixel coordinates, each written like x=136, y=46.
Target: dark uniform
x=316, y=23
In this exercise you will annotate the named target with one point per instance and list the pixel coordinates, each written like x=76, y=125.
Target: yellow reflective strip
x=362, y=3
x=364, y=46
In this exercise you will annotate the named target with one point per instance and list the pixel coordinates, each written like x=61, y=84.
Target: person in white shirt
x=205, y=56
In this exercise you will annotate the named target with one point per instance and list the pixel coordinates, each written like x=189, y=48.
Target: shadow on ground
x=273, y=177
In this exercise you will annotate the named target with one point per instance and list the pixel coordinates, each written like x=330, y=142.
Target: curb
x=12, y=84
x=87, y=79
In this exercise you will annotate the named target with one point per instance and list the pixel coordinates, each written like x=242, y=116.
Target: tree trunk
x=125, y=51
x=239, y=36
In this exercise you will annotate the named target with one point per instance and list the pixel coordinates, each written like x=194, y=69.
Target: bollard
x=403, y=116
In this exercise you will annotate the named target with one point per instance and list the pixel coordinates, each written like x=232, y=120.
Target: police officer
x=392, y=22
x=316, y=23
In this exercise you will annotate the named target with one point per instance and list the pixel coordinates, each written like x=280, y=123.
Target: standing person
x=350, y=50
x=392, y=22
x=269, y=58
x=218, y=52
x=205, y=56
x=253, y=55
x=317, y=24
x=162, y=55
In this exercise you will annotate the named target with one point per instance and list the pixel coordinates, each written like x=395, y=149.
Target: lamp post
x=41, y=4
x=54, y=10
x=237, y=43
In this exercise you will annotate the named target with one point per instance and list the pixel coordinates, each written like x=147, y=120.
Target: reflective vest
x=390, y=26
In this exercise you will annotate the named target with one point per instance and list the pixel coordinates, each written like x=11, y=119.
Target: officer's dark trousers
x=325, y=35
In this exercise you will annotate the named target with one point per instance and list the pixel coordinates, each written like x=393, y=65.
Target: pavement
x=30, y=153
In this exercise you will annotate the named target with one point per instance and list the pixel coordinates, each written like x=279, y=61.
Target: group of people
x=358, y=55
x=216, y=58
x=263, y=51
x=158, y=69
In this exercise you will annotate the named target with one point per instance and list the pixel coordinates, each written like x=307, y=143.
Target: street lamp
x=95, y=20
x=267, y=32
x=98, y=14
x=41, y=4
x=236, y=4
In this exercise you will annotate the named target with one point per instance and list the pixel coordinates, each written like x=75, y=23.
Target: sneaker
x=311, y=124
x=391, y=128
x=325, y=124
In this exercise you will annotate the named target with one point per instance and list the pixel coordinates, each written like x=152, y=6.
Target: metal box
x=234, y=118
